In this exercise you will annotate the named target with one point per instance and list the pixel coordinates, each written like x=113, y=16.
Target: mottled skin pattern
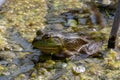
x=59, y=43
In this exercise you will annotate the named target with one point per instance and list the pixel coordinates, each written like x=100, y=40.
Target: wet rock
x=106, y=2
x=60, y=65
x=78, y=69
x=52, y=20
x=35, y=58
x=22, y=69
x=16, y=61
x=2, y=62
x=16, y=37
x=58, y=74
x=55, y=27
x=4, y=78
x=12, y=46
x=82, y=21
x=7, y=54
x=2, y=2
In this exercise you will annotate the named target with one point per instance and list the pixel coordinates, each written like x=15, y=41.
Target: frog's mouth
x=48, y=47
x=45, y=44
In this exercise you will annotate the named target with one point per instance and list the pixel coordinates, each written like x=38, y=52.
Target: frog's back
x=73, y=42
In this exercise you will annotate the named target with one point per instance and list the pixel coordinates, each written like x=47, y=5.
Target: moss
x=20, y=77
x=27, y=16
x=111, y=61
x=49, y=64
x=2, y=68
x=33, y=75
x=23, y=54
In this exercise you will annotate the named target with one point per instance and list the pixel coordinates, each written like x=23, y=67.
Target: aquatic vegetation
x=25, y=17
x=19, y=22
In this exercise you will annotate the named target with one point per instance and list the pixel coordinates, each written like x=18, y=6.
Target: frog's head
x=47, y=42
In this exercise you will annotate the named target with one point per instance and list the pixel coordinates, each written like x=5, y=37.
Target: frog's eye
x=46, y=36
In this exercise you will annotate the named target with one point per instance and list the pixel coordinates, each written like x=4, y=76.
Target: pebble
x=78, y=69
x=2, y=2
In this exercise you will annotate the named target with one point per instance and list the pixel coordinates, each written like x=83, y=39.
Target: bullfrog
x=60, y=44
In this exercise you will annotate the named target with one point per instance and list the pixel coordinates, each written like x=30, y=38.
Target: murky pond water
x=21, y=19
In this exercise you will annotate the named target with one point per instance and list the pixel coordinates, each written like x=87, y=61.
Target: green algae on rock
x=25, y=15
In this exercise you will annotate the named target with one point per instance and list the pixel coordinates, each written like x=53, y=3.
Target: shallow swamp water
x=21, y=19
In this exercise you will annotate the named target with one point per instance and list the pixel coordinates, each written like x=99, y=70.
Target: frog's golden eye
x=46, y=36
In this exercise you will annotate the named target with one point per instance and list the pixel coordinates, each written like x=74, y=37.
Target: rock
x=7, y=54
x=4, y=78
x=82, y=21
x=55, y=27
x=78, y=69
x=106, y=2
x=60, y=65
x=5, y=63
x=2, y=2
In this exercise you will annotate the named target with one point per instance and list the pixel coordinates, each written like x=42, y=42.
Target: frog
x=60, y=44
